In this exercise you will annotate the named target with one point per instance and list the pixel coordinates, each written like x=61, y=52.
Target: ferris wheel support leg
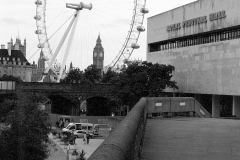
x=53, y=58
x=68, y=46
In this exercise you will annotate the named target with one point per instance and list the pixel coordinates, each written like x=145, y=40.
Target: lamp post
x=79, y=109
x=68, y=151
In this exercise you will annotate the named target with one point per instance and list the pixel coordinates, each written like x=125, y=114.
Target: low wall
x=113, y=122
x=176, y=104
x=84, y=119
x=124, y=143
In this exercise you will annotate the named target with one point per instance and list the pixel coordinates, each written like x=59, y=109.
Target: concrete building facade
x=202, y=41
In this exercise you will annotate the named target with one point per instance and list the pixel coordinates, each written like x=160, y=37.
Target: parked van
x=88, y=127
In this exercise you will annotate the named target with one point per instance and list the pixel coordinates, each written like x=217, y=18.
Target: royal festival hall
x=202, y=41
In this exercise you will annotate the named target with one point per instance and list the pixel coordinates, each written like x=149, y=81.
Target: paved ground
x=57, y=154
x=61, y=153
x=191, y=139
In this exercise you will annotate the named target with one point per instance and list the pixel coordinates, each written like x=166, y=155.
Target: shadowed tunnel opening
x=100, y=106
x=61, y=105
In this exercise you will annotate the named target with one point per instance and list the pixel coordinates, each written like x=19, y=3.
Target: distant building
x=98, y=54
x=18, y=45
x=13, y=62
x=39, y=69
x=119, y=67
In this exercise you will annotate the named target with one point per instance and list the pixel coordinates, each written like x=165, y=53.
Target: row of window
x=202, y=38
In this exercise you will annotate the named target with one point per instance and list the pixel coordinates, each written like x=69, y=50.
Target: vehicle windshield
x=69, y=126
x=96, y=127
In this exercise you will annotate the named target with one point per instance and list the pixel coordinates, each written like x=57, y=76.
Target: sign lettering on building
x=216, y=16
x=196, y=21
x=174, y=27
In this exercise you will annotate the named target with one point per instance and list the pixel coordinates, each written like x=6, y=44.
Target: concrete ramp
x=191, y=138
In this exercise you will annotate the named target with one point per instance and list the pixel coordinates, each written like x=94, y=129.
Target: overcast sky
x=110, y=18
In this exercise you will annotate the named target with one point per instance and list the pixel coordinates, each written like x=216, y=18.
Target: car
x=80, y=134
x=87, y=127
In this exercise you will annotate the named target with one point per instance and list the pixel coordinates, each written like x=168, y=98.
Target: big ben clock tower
x=98, y=54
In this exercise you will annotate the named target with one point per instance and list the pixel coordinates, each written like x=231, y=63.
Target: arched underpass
x=62, y=105
x=100, y=106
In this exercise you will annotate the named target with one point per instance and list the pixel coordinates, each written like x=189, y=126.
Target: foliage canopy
x=27, y=137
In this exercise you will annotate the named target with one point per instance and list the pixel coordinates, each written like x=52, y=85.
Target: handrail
x=123, y=142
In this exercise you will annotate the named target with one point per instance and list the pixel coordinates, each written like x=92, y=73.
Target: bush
x=81, y=156
x=54, y=132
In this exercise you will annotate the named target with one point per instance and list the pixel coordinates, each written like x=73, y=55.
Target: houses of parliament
x=13, y=61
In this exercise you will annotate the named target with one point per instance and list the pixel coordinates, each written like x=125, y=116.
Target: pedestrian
x=85, y=138
x=60, y=124
x=88, y=137
x=57, y=124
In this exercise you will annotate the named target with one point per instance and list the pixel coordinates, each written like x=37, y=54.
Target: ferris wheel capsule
x=40, y=46
x=144, y=10
x=140, y=28
x=38, y=32
x=135, y=46
x=37, y=17
x=38, y=2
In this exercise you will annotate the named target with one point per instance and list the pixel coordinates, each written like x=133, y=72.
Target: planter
x=73, y=157
x=65, y=146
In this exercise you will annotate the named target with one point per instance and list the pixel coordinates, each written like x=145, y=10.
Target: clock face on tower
x=95, y=54
x=101, y=54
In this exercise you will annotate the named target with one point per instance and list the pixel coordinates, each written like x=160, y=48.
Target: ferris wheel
x=69, y=28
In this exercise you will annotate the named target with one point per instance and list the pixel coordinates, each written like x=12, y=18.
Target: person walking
x=61, y=124
x=85, y=138
x=88, y=137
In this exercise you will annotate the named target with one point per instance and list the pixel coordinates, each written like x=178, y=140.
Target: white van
x=88, y=127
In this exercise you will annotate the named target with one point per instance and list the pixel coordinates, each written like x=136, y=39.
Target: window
x=72, y=127
x=84, y=127
x=202, y=38
x=90, y=127
x=78, y=126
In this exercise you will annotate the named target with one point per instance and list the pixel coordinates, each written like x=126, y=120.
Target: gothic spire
x=99, y=39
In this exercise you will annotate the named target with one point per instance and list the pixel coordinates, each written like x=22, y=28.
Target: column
x=174, y=94
x=236, y=106
x=215, y=106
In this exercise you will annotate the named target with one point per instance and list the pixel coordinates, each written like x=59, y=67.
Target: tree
x=143, y=80
x=27, y=137
x=93, y=74
x=109, y=76
x=75, y=76
x=5, y=108
x=10, y=78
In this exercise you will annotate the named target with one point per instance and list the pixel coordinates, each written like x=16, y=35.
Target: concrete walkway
x=61, y=153
x=191, y=139
x=57, y=154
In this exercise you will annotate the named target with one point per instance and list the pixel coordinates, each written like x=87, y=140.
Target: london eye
x=68, y=29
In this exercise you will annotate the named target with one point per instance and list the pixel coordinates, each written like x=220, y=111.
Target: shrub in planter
x=81, y=156
x=75, y=153
x=54, y=132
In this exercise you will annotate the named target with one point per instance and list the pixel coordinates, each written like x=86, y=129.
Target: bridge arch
x=100, y=106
